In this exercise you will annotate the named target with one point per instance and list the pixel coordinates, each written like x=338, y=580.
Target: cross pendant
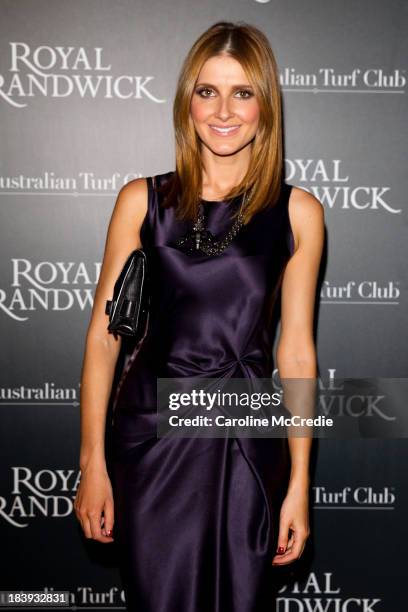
x=197, y=240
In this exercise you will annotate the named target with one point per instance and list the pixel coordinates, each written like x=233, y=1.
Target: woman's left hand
x=294, y=517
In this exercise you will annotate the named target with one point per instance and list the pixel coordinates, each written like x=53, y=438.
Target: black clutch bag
x=128, y=309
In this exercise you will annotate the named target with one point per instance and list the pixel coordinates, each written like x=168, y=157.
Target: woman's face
x=224, y=108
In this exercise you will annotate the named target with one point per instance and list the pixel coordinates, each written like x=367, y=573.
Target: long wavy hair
x=251, y=48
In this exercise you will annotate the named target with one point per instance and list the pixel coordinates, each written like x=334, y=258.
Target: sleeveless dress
x=197, y=519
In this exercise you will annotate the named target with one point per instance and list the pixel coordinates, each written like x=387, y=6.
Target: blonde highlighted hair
x=251, y=48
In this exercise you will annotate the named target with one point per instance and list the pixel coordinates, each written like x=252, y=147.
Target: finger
x=291, y=540
x=284, y=559
x=86, y=528
x=95, y=522
x=108, y=519
x=287, y=557
x=282, y=538
x=96, y=529
x=282, y=556
x=76, y=506
x=291, y=554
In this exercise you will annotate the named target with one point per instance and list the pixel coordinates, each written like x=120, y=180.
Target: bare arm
x=296, y=353
x=101, y=354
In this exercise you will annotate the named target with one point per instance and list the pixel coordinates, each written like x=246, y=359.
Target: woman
x=200, y=522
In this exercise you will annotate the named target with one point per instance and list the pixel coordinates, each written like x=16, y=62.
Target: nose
x=223, y=111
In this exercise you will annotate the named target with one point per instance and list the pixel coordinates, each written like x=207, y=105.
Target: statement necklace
x=201, y=239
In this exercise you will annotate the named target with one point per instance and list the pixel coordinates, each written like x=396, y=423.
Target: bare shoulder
x=134, y=194
x=303, y=203
x=306, y=214
x=131, y=204
x=137, y=186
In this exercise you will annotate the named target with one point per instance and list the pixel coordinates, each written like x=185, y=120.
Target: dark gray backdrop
x=75, y=126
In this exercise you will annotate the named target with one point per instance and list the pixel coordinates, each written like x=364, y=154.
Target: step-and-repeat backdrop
x=86, y=93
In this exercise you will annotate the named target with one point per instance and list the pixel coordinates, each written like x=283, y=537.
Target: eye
x=247, y=93
x=205, y=92
x=200, y=91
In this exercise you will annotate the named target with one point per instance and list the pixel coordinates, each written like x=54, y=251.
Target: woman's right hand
x=93, y=503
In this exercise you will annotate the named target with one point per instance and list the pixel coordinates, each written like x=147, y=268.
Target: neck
x=222, y=173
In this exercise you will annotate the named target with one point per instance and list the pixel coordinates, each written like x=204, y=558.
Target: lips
x=224, y=131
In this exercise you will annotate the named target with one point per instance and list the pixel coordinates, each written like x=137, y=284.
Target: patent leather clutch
x=128, y=309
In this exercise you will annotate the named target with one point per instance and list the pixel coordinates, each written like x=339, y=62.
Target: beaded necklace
x=198, y=238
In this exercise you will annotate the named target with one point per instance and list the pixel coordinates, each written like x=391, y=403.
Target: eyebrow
x=239, y=86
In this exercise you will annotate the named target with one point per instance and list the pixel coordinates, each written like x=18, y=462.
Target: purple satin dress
x=196, y=519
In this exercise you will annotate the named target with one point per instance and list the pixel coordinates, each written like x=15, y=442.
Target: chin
x=226, y=150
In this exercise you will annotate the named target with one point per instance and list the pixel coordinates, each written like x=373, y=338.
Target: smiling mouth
x=225, y=131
